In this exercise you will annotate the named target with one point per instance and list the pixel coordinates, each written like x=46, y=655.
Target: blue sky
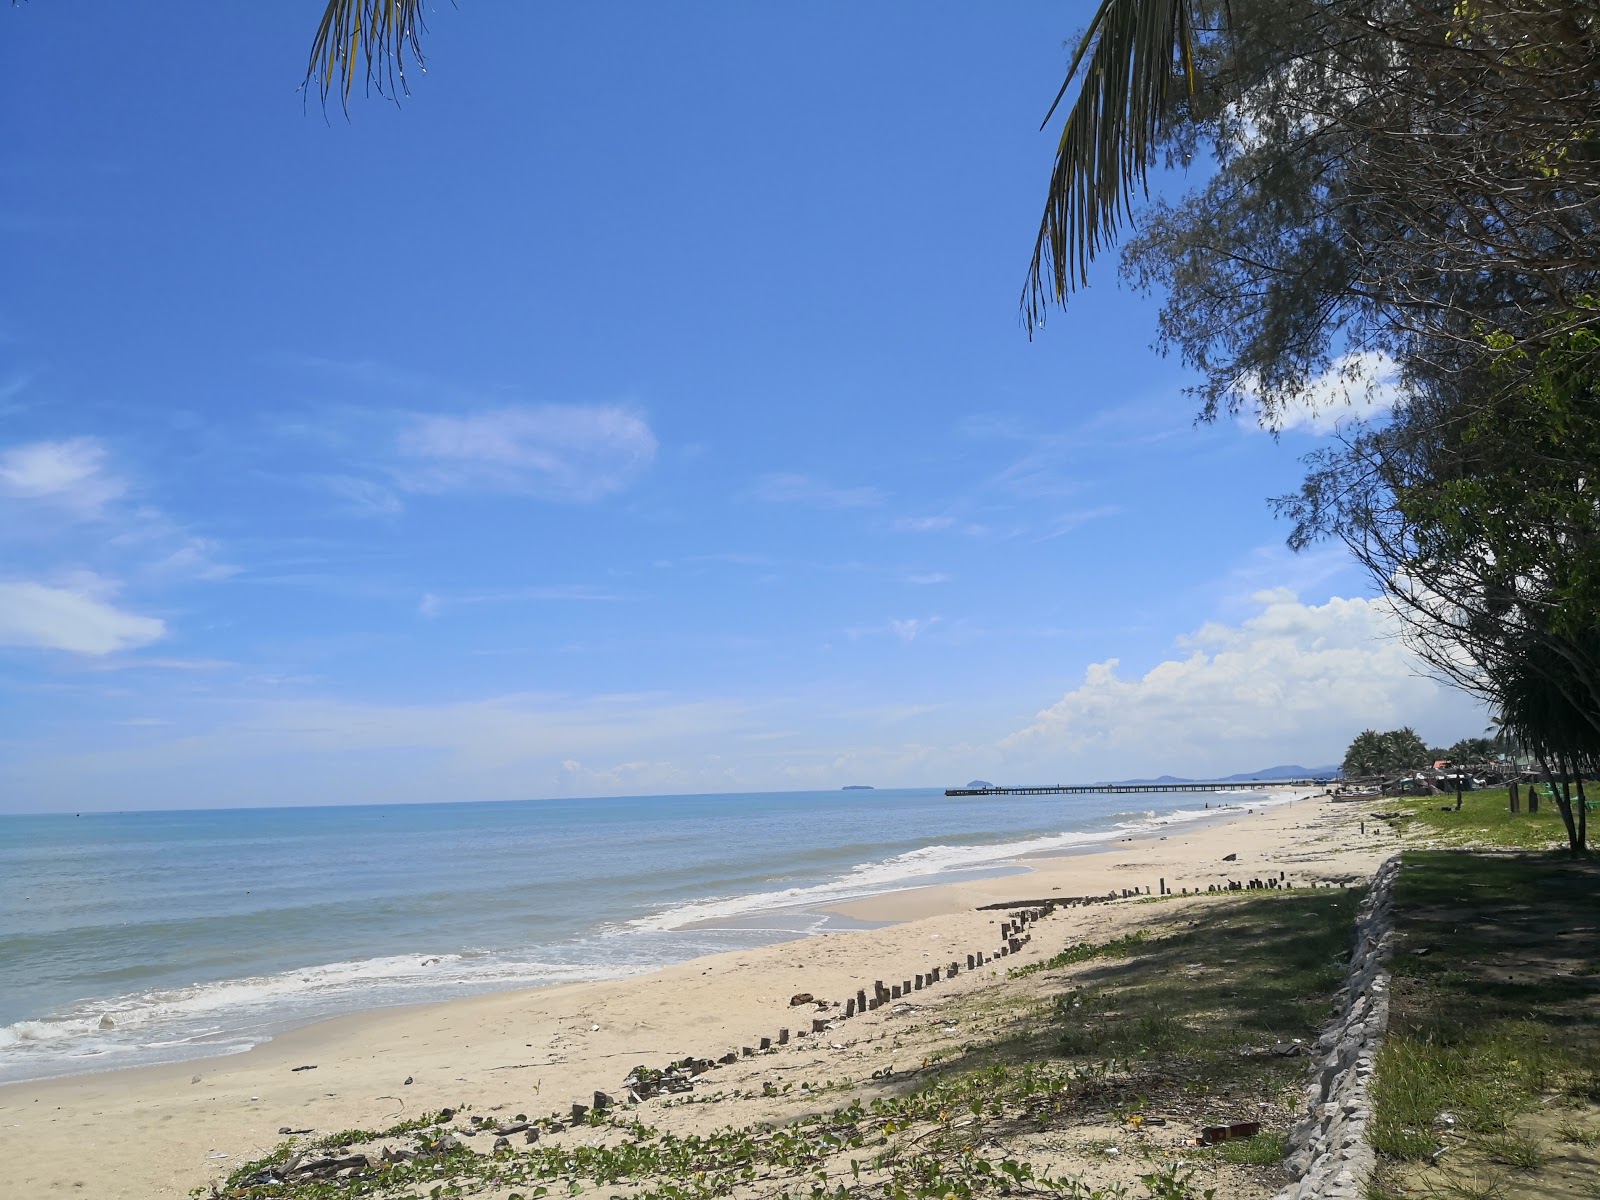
x=640, y=407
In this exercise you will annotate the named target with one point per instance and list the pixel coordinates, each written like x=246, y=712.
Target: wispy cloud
x=432, y=604
x=73, y=619
x=809, y=492
x=907, y=629
x=365, y=497
x=929, y=577
x=1066, y=522
x=922, y=524
x=71, y=474
x=569, y=452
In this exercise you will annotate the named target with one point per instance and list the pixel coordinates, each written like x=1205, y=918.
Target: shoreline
x=759, y=918
x=161, y=1130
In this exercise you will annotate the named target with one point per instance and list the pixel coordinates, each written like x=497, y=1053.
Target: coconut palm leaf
x=379, y=34
x=1135, y=55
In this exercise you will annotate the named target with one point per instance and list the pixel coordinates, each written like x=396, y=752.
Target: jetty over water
x=1081, y=789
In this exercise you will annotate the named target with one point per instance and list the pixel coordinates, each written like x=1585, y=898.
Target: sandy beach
x=162, y=1131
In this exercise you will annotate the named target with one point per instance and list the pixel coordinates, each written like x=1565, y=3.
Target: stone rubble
x=1328, y=1151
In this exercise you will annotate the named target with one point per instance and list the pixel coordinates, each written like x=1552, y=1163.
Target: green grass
x=1072, y=955
x=1492, y=1018
x=1485, y=820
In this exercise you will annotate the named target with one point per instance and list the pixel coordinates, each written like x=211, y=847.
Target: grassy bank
x=1089, y=1077
x=1488, y=1083
x=1485, y=820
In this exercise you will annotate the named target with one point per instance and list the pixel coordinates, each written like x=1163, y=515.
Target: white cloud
x=1359, y=385
x=557, y=451
x=71, y=619
x=71, y=474
x=814, y=493
x=929, y=577
x=1291, y=680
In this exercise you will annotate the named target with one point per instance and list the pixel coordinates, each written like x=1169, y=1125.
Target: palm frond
x=382, y=35
x=1138, y=53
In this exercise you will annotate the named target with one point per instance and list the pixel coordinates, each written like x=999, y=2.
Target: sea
x=145, y=937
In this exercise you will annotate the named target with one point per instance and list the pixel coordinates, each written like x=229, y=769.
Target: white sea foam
x=232, y=1015
x=915, y=868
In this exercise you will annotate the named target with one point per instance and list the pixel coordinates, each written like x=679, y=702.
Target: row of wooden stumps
x=1014, y=939
x=1251, y=885
x=1161, y=889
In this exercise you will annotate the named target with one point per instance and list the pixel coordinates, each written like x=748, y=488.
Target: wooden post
x=849, y=1008
x=1163, y=884
x=1516, y=799
x=783, y=1037
x=765, y=1044
x=861, y=1000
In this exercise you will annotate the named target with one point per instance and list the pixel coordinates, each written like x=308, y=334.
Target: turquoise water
x=128, y=938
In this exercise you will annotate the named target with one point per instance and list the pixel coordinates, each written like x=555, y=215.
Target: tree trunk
x=1563, y=799
x=1516, y=799
x=1583, y=816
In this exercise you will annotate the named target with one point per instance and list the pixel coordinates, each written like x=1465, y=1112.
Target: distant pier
x=1079, y=789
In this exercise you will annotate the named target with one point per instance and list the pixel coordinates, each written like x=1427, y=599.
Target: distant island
x=1265, y=775
x=856, y=787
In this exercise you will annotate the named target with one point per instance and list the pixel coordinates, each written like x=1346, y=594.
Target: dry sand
x=161, y=1131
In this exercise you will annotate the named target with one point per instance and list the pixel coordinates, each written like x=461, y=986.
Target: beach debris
x=580, y=1113
x=800, y=998
x=502, y=1143
x=1230, y=858
x=307, y=1067
x=194, y=1079
x=407, y=1082
x=301, y=1168
x=392, y=1155
x=1212, y=1134
x=1294, y=1049
x=645, y=1082
x=285, y=1131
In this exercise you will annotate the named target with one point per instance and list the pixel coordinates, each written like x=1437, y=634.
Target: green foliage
x=1374, y=753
